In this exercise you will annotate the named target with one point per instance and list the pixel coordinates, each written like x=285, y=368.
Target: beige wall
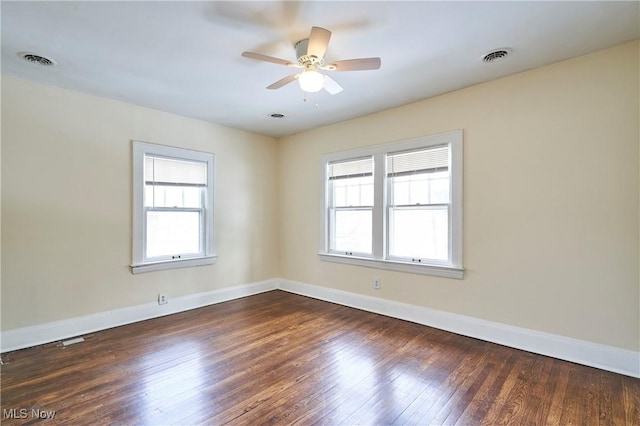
x=66, y=204
x=551, y=198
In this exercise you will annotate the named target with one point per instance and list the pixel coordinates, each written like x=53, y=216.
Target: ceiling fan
x=310, y=53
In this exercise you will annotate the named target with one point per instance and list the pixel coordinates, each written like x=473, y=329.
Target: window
x=351, y=206
x=396, y=206
x=173, y=207
x=418, y=205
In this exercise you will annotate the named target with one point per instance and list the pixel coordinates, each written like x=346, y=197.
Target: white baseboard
x=579, y=351
x=596, y=355
x=25, y=337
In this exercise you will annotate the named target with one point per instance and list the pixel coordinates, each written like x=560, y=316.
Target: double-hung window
x=418, y=204
x=396, y=206
x=350, y=209
x=173, y=207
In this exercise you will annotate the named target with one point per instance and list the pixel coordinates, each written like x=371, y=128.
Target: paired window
x=173, y=207
x=396, y=206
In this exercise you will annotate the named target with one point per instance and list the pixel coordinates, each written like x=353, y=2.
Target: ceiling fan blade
x=288, y=79
x=331, y=86
x=266, y=58
x=318, y=42
x=355, y=64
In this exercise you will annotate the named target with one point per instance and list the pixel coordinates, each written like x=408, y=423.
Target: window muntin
x=416, y=216
x=350, y=209
x=173, y=207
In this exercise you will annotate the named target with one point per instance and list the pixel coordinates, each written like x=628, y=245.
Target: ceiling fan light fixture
x=311, y=81
x=310, y=53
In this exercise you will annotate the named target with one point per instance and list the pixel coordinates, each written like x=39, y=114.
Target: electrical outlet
x=162, y=299
x=376, y=283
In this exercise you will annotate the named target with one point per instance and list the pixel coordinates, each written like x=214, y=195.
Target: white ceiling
x=184, y=57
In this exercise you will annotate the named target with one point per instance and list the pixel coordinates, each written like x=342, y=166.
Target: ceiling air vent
x=37, y=59
x=495, y=55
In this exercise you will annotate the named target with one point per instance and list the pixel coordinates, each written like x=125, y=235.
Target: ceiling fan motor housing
x=304, y=59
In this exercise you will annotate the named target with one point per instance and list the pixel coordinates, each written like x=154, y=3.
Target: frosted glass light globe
x=311, y=81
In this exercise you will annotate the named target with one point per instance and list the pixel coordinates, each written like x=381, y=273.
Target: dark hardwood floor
x=287, y=359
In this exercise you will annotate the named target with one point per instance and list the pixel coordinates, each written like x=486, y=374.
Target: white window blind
x=350, y=169
x=423, y=161
x=170, y=171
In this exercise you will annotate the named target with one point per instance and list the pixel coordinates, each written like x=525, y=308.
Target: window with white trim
x=173, y=207
x=418, y=205
x=350, y=186
x=396, y=206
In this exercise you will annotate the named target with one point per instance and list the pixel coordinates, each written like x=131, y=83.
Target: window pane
x=400, y=188
x=352, y=231
x=439, y=188
x=339, y=195
x=421, y=188
x=172, y=233
x=353, y=192
x=192, y=197
x=419, y=233
x=173, y=196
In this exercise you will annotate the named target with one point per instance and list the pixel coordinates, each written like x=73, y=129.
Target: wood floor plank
x=631, y=398
x=513, y=411
x=538, y=400
x=437, y=381
x=462, y=397
x=558, y=395
x=279, y=358
x=458, y=382
x=500, y=362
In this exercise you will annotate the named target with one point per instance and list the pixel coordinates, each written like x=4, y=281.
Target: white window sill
x=172, y=264
x=436, y=270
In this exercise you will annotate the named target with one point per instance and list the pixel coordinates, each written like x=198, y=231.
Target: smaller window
x=351, y=206
x=173, y=207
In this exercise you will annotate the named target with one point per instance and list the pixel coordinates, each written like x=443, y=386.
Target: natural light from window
x=396, y=206
x=173, y=207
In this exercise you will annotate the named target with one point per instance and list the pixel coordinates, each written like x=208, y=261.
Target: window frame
x=207, y=256
x=453, y=267
x=331, y=212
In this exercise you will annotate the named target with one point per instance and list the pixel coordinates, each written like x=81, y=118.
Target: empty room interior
x=320, y=212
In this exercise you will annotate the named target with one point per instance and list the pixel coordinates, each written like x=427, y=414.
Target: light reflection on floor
x=353, y=384
x=170, y=378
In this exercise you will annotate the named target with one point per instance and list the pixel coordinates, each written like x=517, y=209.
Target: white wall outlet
x=162, y=299
x=376, y=283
